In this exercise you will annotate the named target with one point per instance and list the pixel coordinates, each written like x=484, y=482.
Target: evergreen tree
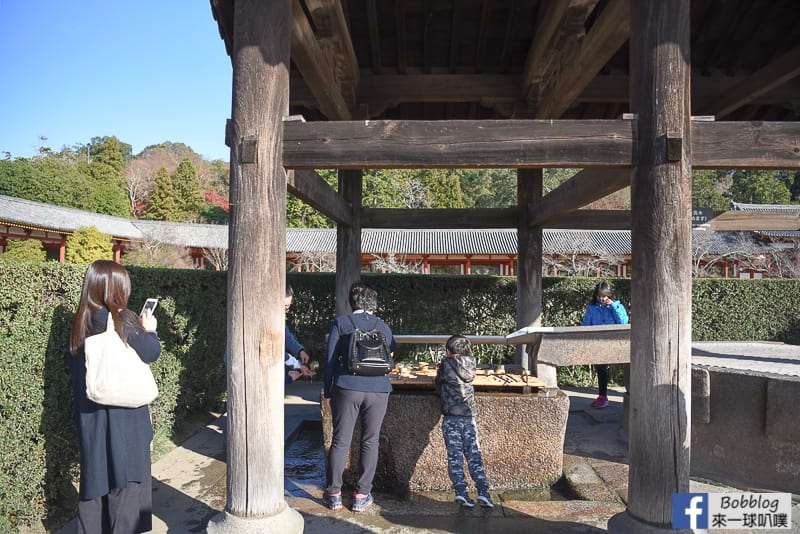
x=759, y=187
x=88, y=244
x=162, y=202
x=186, y=190
x=706, y=189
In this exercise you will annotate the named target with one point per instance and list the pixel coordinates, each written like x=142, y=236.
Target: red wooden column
x=348, y=240
x=256, y=273
x=529, y=269
x=661, y=286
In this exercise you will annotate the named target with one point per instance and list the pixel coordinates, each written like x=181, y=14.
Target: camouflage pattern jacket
x=454, y=385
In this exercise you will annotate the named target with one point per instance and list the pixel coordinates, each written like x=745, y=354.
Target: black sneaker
x=485, y=500
x=464, y=500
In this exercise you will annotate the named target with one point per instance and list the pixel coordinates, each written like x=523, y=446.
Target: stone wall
x=521, y=437
x=747, y=432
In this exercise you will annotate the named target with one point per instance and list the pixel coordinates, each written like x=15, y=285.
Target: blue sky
x=147, y=72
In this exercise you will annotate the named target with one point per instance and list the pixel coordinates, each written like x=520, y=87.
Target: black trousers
x=602, y=379
x=121, y=511
x=347, y=406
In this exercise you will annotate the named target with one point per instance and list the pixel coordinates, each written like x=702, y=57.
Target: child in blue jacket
x=603, y=309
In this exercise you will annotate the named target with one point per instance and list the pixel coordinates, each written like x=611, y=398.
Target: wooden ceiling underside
x=535, y=59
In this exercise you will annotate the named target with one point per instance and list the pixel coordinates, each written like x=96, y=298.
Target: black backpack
x=368, y=352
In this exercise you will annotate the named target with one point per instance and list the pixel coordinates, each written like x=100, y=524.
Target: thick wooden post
x=256, y=273
x=529, y=268
x=348, y=240
x=661, y=285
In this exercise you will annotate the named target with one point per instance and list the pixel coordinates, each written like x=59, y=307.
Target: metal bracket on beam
x=248, y=150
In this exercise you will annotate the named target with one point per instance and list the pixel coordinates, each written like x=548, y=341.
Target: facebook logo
x=689, y=510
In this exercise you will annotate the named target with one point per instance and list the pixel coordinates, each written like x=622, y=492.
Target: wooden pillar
x=529, y=262
x=661, y=335
x=348, y=240
x=256, y=273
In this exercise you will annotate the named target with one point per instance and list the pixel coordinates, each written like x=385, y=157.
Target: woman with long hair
x=115, y=492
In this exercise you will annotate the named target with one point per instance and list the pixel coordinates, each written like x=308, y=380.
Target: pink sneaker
x=600, y=402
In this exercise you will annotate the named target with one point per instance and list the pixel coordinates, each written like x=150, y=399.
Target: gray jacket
x=454, y=385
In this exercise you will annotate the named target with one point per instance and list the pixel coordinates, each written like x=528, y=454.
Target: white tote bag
x=115, y=375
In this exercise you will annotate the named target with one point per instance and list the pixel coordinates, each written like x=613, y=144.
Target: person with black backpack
x=358, y=360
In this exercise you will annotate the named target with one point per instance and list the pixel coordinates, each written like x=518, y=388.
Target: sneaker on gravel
x=333, y=502
x=600, y=402
x=464, y=500
x=360, y=502
x=485, y=501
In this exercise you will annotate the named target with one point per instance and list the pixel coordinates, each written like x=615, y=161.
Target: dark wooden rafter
x=609, y=32
x=333, y=35
x=309, y=187
x=769, y=77
x=483, y=35
x=318, y=73
x=454, y=37
x=527, y=143
x=508, y=35
x=427, y=40
x=374, y=38
x=400, y=33
x=549, y=35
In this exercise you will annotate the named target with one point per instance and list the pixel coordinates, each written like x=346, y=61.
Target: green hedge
x=37, y=301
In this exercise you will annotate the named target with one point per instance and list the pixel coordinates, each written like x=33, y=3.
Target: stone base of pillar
x=287, y=521
x=624, y=523
x=546, y=372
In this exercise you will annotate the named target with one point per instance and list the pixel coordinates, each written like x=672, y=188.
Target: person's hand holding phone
x=149, y=321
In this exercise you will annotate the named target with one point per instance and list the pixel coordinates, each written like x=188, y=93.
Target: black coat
x=114, y=442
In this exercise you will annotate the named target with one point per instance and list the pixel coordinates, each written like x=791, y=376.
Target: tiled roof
x=782, y=208
x=739, y=206
x=48, y=216
x=373, y=241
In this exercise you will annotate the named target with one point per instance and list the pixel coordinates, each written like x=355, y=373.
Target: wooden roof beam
x=556, y=24
x=509, y=144
x=318, y=73
x=609, y=32
x=473, y=218
x=582, y=189
x=458, y=144
x=764, y=80
x=331, y=25
x=460, y=219
x=309, y=187
x=591, y=220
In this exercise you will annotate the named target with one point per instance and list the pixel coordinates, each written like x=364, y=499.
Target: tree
x=110, y=151
x=153, y=253
x=162, y=202
x=139, y=184
x=759, y=187
x=24, y=250
x=186, y=190
x=709, y=189
x=88, y=244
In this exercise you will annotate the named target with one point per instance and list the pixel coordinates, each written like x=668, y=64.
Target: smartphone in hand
x=149, y=304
